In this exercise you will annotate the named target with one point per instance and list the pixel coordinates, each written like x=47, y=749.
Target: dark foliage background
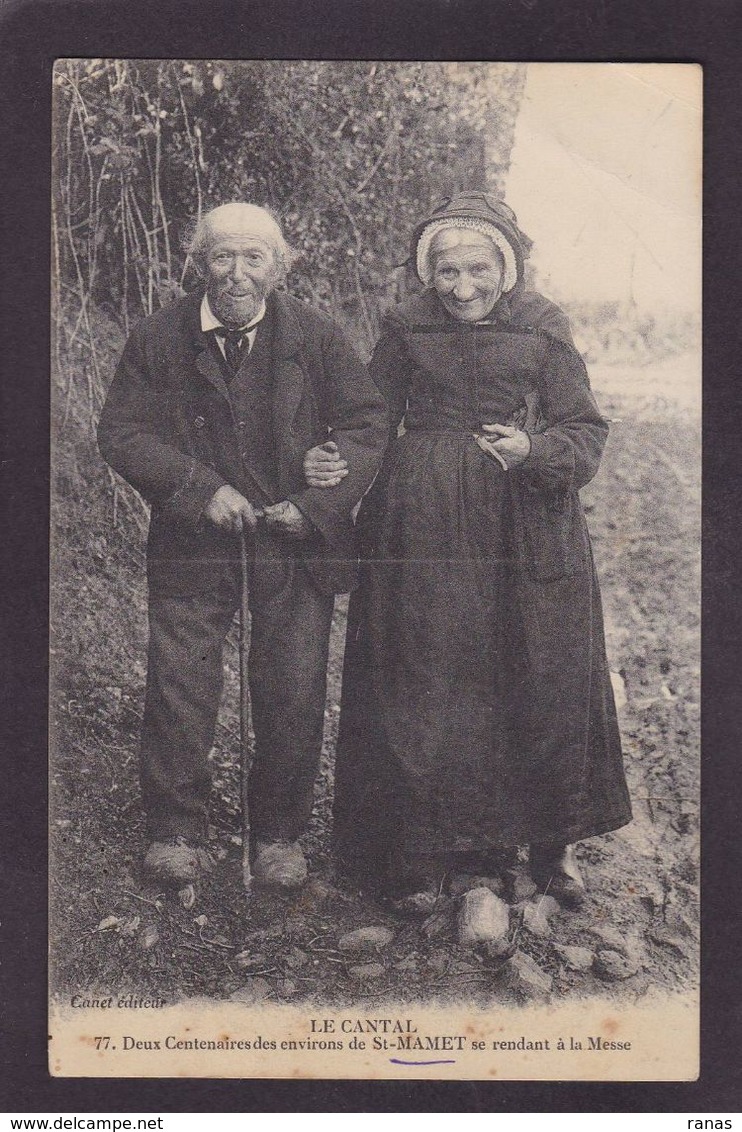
x=350, y=155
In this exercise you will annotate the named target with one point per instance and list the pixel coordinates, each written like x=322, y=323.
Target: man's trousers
x=288, y=676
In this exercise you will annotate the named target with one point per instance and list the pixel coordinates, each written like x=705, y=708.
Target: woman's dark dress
x=477, y=711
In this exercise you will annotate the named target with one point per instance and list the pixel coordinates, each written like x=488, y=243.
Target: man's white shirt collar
x=209, y=321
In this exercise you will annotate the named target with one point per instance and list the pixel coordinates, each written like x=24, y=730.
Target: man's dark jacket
x=168, y=428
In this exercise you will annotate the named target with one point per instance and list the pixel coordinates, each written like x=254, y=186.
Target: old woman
x=477, y=711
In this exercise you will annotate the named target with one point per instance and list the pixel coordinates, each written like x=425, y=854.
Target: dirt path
x=111, y=932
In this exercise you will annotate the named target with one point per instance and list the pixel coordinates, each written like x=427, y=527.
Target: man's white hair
x=251, y=219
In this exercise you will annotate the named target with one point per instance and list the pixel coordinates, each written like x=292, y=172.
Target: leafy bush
x=350, y=155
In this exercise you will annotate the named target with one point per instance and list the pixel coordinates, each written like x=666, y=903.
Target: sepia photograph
x=375, y=569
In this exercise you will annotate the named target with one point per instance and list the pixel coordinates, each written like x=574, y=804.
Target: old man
x=214, y=403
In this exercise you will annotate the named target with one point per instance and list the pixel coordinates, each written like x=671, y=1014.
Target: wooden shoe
x=279, y=864
x=555, y=869
x=176, y=861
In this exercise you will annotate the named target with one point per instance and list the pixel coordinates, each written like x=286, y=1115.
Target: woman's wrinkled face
x=467, y=275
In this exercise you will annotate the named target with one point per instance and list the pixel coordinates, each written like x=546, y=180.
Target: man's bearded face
x=240, y=271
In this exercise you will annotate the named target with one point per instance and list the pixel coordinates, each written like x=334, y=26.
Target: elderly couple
x=477, y=712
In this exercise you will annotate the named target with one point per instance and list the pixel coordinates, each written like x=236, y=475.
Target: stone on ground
x=536, y=915
x=296, y=958
x=664, y=936
x=318, y=891
x=625, y=943
x=575, y=958
x=612, y=965
x=149, y=937
x=439, y=961
x=525, y=978
x=484, y=919
x=408, y=965
x=366, y=940
x=365, y=972
x=550, y=906
x=248, y=959
x=679, y=922
x=254, y=990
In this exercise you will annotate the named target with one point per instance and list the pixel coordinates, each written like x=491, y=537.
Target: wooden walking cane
x=244, y=649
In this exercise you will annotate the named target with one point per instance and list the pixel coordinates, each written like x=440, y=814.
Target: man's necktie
x=234, y=341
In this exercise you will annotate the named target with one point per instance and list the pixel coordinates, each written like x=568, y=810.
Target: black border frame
x=34, y=33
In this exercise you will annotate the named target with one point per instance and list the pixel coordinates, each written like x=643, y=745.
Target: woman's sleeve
x=390, y=370
x=566, y=455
